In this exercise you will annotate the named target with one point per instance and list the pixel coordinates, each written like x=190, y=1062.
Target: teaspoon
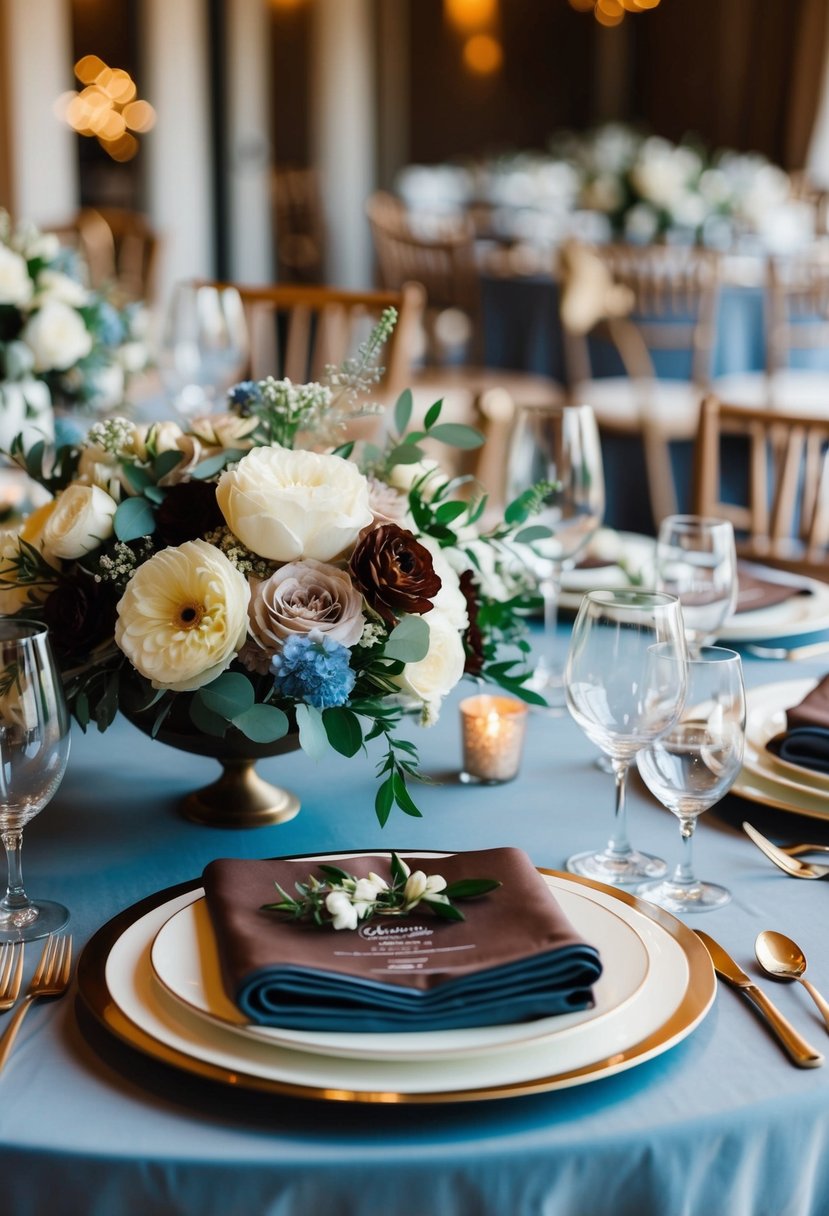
x=782, y=959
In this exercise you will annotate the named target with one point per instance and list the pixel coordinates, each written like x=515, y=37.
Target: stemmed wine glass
x=625, y=680
x=694, y=765
x=559, y=447
x=696, y=560
x=34, y=749
x=204, y=346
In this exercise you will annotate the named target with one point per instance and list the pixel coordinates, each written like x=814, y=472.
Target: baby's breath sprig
x=345, y=901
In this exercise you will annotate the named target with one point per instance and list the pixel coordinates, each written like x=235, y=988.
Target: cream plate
x=800, y=615
x=116, y=980
x=629, y=547
x=185, y=961
x=766, y=717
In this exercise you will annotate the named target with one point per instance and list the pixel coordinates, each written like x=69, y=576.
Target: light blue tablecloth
x=720, y=1124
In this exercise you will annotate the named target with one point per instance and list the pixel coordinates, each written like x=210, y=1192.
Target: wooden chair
x=300, y=228
x=781, y=512
x=120, y=249
x=296, y=330
x=796, y=322
x=672, y=296
x=439, y=253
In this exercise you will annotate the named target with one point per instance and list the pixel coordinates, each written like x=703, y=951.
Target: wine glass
x=696, y=560
x=625, y=680
x=559, y=447
x=694, y=765
x=34, y=749
x=204, y=347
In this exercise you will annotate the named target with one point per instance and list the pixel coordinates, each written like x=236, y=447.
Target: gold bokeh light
x=483, y=54
x=612, y=12
x=107, y=108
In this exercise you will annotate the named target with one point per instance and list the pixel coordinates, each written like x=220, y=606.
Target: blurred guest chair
x=654, y=306
x=769, y=474
x=120, y=249
x=439, y=253
x=300, y=228
x=295, y=331
x=796, y=326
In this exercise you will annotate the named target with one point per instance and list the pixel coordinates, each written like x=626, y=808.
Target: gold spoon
x=782, y=959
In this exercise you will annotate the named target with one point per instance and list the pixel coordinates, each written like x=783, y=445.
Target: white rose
x=54, y=285
x=434, y=676
x=403, y=476
x=286, y=505
x=183, y=616
x=57, y=336
x=81, y=520
x=450, y=601
x=45, y=246
x=15, y=285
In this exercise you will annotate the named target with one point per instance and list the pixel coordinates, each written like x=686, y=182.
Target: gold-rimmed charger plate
x=178, y=1043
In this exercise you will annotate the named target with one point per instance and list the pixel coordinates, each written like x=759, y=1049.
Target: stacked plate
x=152, y=977
x=765, y=777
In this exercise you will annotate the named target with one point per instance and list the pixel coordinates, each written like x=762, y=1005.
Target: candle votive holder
x=492, y=733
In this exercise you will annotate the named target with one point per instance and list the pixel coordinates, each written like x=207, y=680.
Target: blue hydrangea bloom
x=109, y=324
x=244, y=393
x=314, y=669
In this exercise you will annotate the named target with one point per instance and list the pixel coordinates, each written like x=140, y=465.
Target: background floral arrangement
x=612, y=181
x=251, y=570
x=54, y=329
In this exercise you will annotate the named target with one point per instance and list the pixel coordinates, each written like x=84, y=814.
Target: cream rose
x=224, y=430
x=450, y=601
x=81, y=520
x=15, y=285
x=57, y=337
x=54, y=285
x=183, y=616
x=434, y=676
x=286, y=505
x=302, y=596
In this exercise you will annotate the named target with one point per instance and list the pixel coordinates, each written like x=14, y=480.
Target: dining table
x=719, y=1122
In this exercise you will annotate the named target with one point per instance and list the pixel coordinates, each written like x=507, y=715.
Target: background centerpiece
x=252, y=583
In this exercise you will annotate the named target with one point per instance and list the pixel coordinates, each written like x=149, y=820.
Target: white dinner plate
x=799, y=615
x=185, y=961
x=117, y=982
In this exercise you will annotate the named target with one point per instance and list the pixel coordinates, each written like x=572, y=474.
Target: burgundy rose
x=394, y=572
x=189, y=511
x=80, y=614
x=473, y=639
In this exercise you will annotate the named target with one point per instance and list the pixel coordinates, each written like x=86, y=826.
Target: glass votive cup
x=492, y=735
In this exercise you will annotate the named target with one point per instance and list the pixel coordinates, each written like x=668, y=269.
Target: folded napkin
x=515, y=957
x=806, y=738
x=754, y=592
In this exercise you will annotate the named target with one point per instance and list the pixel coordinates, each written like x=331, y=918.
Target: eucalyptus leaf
x=456, y=435
x=408, y=641
x=137, y=477
x=535, y=532
x=262, y=723
x=165, y=462
x=448, y=512
x=405, y=453
x=312, y=735
x=133, y=519
x=229, y=695
x=403, y=410
x=432, y=414
x=205, y=720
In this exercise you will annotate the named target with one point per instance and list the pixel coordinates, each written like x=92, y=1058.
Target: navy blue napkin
x=514, y=958
x=806, y=739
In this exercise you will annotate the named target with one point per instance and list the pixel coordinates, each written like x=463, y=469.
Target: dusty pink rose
x=302, y=596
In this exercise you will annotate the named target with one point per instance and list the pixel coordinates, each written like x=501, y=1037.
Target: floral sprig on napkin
x=344, y=901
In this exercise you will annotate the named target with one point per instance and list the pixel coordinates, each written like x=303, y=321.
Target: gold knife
x=801, y=1052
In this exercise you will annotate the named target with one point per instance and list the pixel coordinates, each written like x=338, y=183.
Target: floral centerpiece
x=262, y=577
x=59, y=340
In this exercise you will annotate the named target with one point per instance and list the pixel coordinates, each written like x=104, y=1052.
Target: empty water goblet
x=625, y=686
x=34, y=749
x=696, y=560
x=556, y=448
x=693, y=765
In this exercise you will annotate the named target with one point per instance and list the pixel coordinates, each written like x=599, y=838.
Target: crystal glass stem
x=683, y=875
x=618, y=847
x=15, y=901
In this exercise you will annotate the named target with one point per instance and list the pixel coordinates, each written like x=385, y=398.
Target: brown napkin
x=755, y=592
x=515, y=957
x=806, y=738
x=591, y=562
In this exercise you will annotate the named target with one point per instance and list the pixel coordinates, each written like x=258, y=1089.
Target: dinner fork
x=50, y=979
x=11, y=973
x=785, y=861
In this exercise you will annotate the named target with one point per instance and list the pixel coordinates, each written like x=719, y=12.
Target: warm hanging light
x=471, y=16
x=612, y=12
x=107, y=108
x=483, y=54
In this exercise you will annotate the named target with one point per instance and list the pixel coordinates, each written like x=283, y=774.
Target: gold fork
x=50, y=979
x=11, y=973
